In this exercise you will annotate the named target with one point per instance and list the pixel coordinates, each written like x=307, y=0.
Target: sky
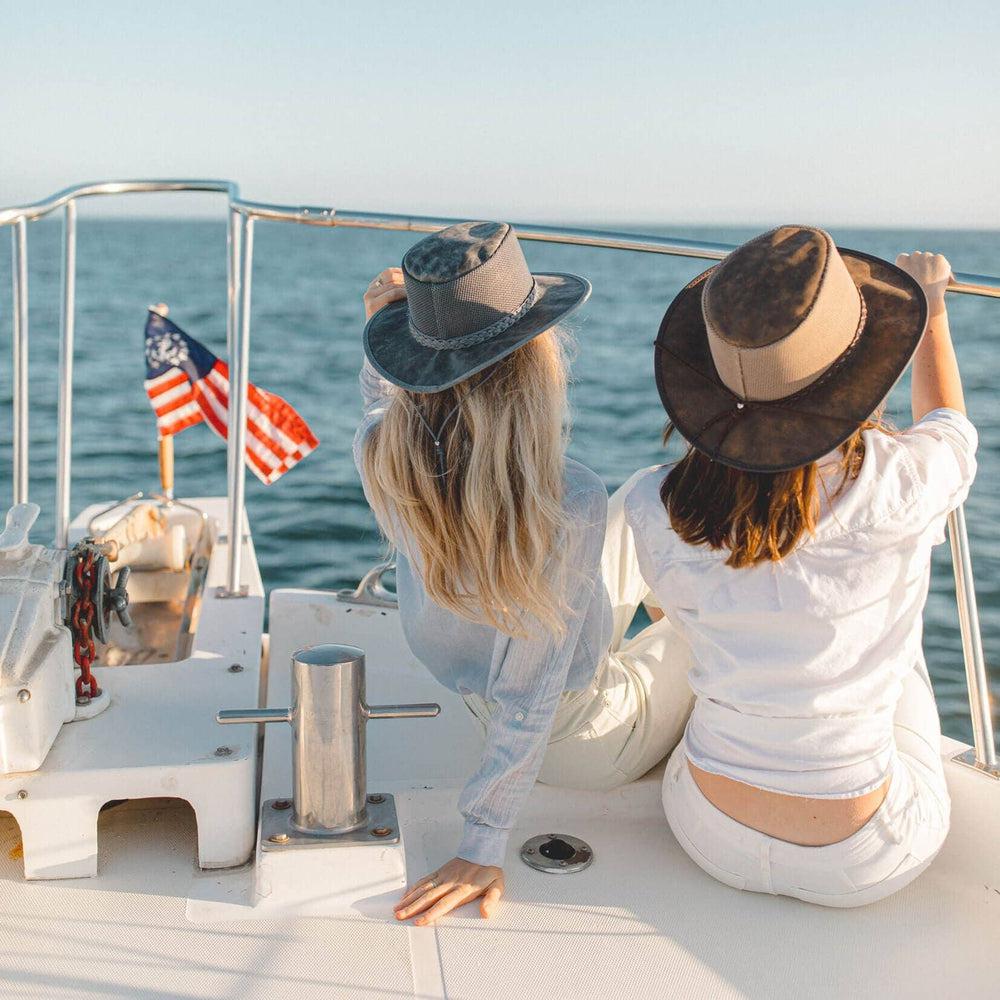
x=847, y=113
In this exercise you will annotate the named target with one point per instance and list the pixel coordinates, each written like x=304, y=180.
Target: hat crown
x=779, y=311
x=764, y=289
x=466, y=281
x=452, y=252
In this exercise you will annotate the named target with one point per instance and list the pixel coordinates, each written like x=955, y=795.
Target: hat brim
x=398, y=356
x=786, y=434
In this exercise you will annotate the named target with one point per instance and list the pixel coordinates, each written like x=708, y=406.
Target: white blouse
x=798, y=663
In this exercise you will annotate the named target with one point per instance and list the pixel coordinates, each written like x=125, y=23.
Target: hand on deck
x=453, y=884
x=384, y=288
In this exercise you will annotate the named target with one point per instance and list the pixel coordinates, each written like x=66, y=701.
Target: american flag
x=187, y=384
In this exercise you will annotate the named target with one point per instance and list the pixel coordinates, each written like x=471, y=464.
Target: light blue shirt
x=522, y=679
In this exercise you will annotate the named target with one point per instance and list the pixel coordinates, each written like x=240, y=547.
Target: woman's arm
x=376, y=392
x=936, y=381
x=529, y=682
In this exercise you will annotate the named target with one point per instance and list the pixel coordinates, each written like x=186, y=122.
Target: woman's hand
x=455, y=883
x=932, y=271
x=385, y=288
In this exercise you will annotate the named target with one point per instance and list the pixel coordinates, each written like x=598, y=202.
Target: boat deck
x=642, y=921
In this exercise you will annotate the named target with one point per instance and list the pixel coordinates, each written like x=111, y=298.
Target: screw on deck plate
x=281, y=804
x=236, y=668
x=23, y=695
x=82, y=700
x=223, y=751
x=278, y=838
x=381, y=831
x=22, y=794
x=376, y=799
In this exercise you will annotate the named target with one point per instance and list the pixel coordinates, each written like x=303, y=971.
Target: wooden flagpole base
x=166, y=445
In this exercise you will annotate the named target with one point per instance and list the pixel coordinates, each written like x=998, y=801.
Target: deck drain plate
x=557, y=852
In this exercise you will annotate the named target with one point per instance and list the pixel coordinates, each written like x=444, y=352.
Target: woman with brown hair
x=791, y=547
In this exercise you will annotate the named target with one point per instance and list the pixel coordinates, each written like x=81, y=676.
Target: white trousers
x=885, y=855
x=634, y=712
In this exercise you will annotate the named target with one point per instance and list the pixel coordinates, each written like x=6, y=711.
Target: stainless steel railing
x=241, y=217
x=18, y=217
x=19, y=270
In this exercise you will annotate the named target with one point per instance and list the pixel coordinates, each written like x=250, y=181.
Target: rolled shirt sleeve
x=524, y=695
x=942, y=448
x=376, y=395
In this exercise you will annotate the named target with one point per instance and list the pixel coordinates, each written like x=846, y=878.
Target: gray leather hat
x=470, y=301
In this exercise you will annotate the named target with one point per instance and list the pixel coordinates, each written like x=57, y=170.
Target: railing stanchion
x=19, y=271
x=232, y=278
x=976, y=676
x=239, y=364
x=64, y=444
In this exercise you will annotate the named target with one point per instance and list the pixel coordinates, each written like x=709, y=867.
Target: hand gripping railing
x=328, y=717
x=241, y=216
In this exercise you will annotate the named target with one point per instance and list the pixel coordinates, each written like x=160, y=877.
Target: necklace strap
x=439, y=433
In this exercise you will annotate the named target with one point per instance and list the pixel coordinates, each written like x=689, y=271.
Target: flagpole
x=166, y=448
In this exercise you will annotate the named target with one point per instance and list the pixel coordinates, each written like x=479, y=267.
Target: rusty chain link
x=82, y=624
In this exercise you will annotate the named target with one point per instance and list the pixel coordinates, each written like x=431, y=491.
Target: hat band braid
x=477, y=336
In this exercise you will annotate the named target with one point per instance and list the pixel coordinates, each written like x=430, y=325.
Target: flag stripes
x=187, y=384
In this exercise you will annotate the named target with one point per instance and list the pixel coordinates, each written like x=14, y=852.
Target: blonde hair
x=487, y=518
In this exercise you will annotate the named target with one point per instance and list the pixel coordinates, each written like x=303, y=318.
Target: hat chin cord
x=437, y=435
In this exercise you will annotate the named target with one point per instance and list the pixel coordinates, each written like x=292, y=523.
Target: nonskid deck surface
x=642, y=921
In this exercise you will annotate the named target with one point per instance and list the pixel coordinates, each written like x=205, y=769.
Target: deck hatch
x=560, y=853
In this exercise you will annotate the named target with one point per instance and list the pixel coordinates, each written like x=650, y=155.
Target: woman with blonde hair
x=791, y=547
x=509, y=590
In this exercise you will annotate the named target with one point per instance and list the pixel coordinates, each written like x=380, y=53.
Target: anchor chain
x=91, y=599
x=81, y=622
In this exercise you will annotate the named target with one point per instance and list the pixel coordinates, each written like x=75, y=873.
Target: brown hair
x=758, y=516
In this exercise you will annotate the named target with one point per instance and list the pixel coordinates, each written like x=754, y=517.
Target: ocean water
x=313, y=528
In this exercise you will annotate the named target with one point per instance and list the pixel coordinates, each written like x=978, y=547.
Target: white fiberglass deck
x=642, y=921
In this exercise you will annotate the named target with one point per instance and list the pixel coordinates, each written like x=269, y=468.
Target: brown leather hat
x=773, y=357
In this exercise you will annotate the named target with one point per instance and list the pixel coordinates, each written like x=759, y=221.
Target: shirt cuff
x=374, y=388
x=944, y=416
x=483, y=845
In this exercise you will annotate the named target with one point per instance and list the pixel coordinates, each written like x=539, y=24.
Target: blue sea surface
x=313, y=528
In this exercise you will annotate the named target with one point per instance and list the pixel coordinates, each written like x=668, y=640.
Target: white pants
x=635, y=711
x=885, y=855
